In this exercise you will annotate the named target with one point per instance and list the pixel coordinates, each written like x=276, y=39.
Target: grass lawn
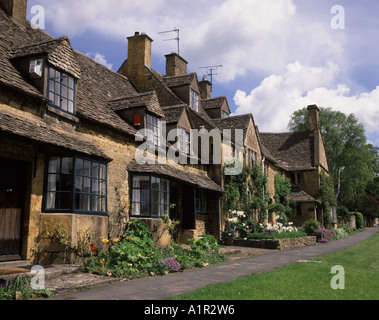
x=306, y=281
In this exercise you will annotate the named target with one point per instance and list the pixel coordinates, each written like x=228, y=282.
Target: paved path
x=159, y=288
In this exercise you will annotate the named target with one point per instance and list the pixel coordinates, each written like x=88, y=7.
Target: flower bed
x=136, y=254
x=277, y=244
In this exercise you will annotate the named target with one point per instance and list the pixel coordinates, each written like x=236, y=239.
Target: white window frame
x=184, y=141
x=194, y=101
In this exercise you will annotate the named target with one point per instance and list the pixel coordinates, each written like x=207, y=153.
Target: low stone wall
x=276, y=244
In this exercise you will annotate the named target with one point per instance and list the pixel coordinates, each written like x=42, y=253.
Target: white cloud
x=245, y=36
x=278, y=96
x=100, y=58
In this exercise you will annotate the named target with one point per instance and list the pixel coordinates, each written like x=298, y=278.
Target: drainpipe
x=263, y=172
x=219, y=214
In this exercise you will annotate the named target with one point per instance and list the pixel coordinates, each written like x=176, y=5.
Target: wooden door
x=12, y=195
x=189, y=216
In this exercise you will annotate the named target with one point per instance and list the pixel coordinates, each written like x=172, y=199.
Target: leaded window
x=75, y=184
x=200, y=201
x=184, y=141
x=61, y=90
x=150, y=196
x=194, y=100
x=153, y=132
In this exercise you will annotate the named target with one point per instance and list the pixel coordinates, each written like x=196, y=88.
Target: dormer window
x=153, y=132
x=194, y=103
x=61, y=90
x=184, y=141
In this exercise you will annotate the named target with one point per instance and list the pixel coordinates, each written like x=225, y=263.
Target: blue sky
x=277, y=55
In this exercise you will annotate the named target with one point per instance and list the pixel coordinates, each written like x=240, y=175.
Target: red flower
x=94, y=249
x=91, y=245
x=128, y=239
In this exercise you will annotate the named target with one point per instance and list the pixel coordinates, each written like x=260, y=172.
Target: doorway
x=12, y=203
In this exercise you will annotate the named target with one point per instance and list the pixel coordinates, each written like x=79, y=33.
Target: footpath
x=158, y=288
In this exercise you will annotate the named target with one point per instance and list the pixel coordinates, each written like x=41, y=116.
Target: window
x=150, y=196
x=61, y=90
x=153, y=126
x=194, y=100
x=75, y=184
x=298, y=210
x=300, y=178
x=200, y=201
x=184, y=141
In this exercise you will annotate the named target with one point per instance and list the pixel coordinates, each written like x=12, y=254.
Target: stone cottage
x=84, y=149
x=68, y=129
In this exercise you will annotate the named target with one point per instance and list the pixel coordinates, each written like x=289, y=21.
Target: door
x=189, y=216
x=12, y=196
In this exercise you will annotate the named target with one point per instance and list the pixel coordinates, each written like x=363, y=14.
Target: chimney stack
x=15, y=9
x=175, y=65
x=314, y=118
x=139, y=54
x=205, y=87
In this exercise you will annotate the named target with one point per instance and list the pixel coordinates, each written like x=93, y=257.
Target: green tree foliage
x=282, y=205
x=352, y=161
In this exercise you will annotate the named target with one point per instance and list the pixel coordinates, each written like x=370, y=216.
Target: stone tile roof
x=38, y=132
x=214, y=103
x=59, y=53
x=235, y=122
x=95, y=88
x=177, y=81
x=291, y=150
x=148, y=100
x=195, y=179
x=299, y=195
x=173, y=113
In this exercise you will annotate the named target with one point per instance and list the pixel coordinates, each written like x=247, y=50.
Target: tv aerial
x=177, y=37
x=210, y=71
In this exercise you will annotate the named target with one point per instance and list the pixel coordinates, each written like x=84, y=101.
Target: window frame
x=155, y=128
x=51, y=82
x=185, y=141
x=201, y=196
x=194, y=100
x=73, y=192
x=151, y=201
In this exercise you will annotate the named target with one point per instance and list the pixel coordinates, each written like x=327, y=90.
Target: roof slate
x=59, y=53
x=148, y=100
x=291, y=150
x=299, y=195
x=177, y=81
x=39, y=132
x=195, y=179
x=95, y=88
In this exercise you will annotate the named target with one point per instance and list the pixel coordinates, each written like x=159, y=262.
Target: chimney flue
x=15, y=9
x=175, y=65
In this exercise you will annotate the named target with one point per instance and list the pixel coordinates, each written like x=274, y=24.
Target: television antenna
x=177, y=37
x=210, y=71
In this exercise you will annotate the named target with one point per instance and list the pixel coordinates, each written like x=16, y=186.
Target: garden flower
x=105, y=241
x=115, y=240
x=128, y=239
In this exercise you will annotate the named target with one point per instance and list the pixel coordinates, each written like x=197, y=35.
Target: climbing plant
x=328, y=197
x=283, y=205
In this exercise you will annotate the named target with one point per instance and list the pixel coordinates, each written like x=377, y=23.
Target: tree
x=351, y=159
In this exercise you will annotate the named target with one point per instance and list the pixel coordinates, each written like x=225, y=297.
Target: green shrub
x=359, y=219
x=311, y=226
x=282, y=235
x=136, y=255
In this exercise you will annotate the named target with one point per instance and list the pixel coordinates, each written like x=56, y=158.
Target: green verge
x=305, y=281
